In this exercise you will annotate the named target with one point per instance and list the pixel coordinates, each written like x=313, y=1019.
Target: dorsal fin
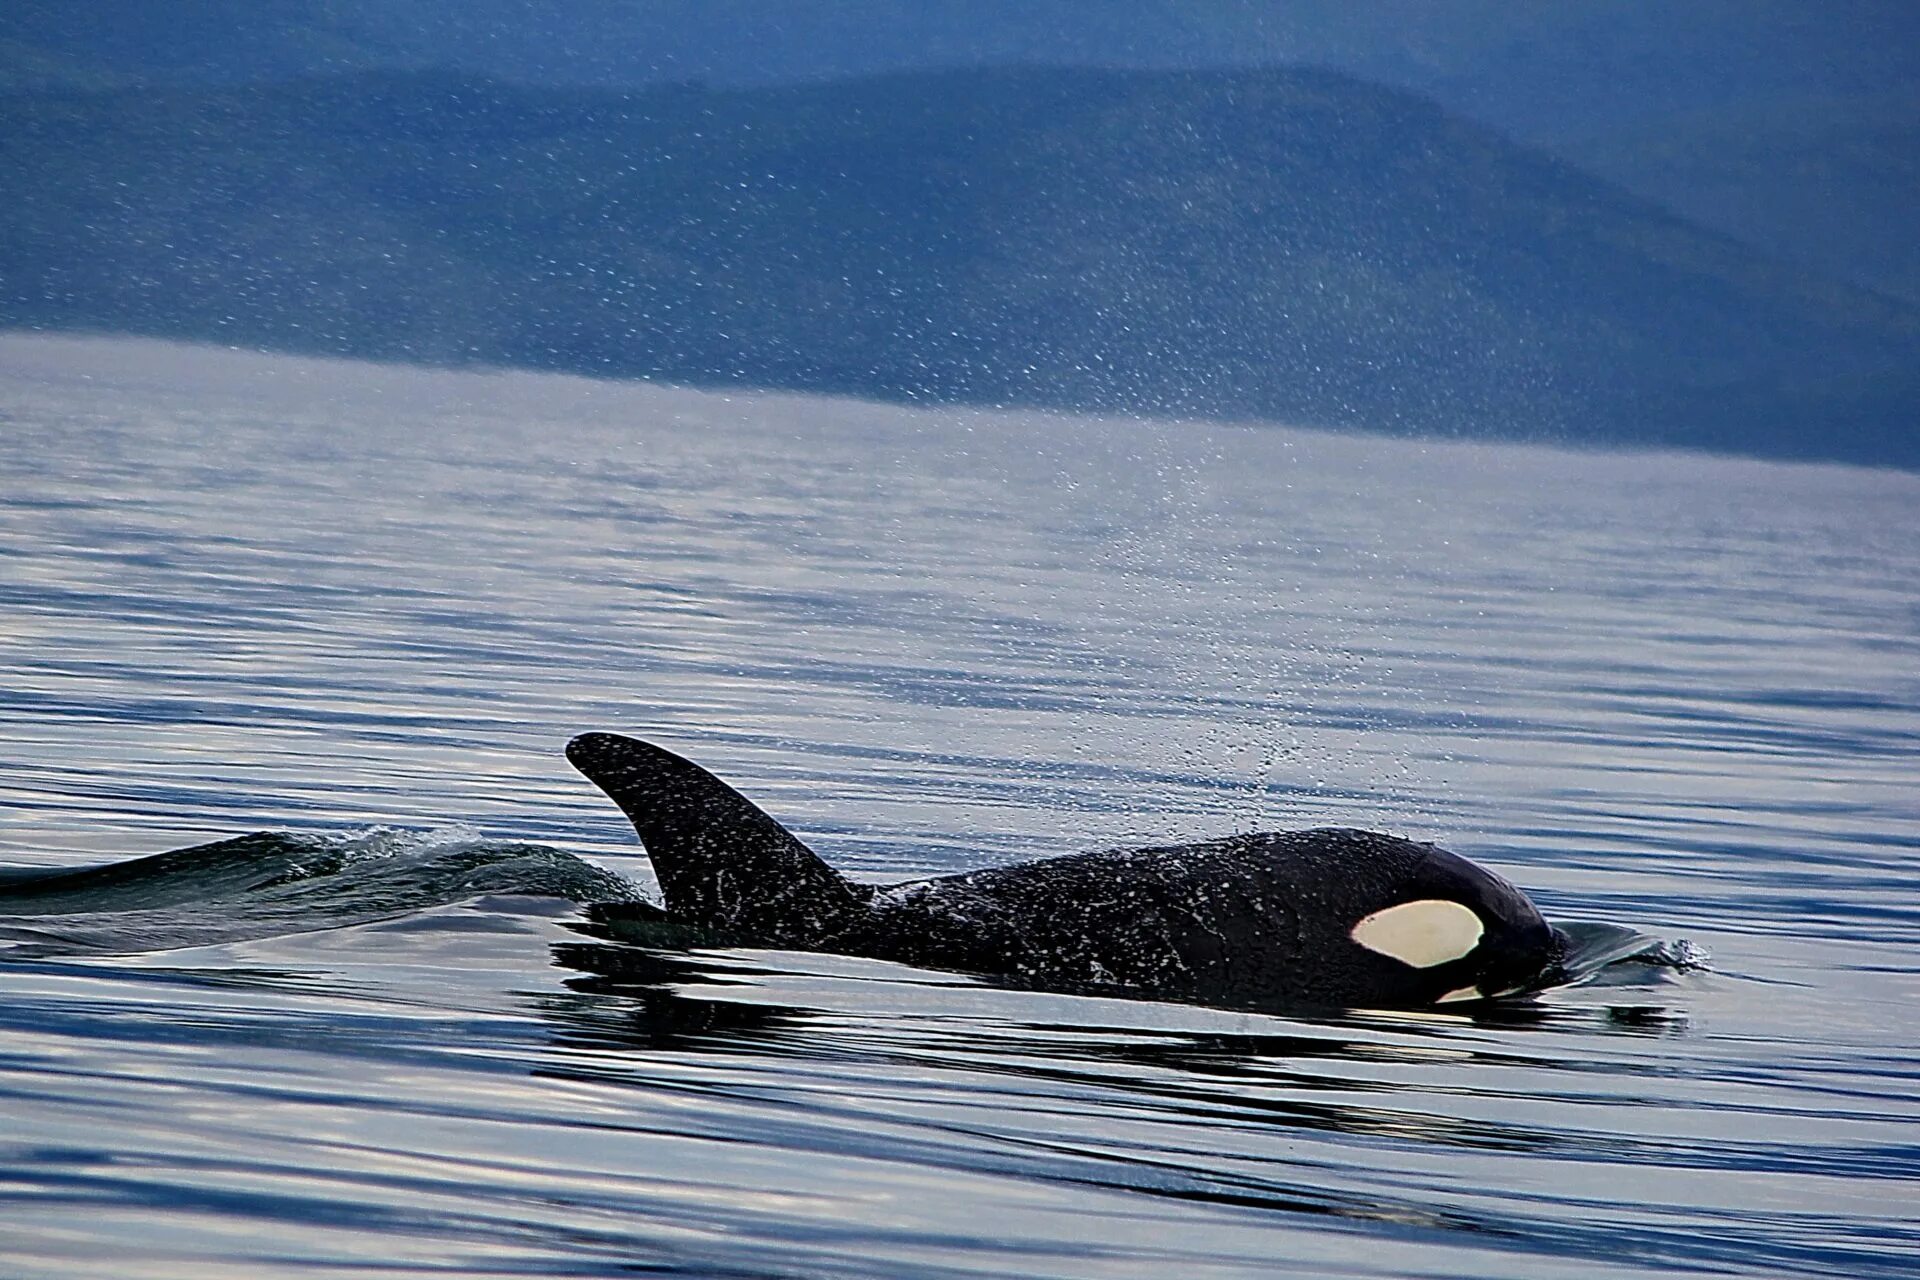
x=720, y=860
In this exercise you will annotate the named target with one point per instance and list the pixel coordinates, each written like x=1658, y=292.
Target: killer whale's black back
x=722, y=862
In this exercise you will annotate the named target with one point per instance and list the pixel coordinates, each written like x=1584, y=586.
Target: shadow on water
x=1377, y=1078
x=864, y=1046
x=634, y=1001
x=633, y=998
x=629, y=999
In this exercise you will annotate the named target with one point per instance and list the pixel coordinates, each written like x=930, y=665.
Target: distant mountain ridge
x=1849, y=167
x=1743, y=115
x=1249, y=243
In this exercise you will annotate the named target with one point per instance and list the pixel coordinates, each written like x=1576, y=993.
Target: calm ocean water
x=365, y=607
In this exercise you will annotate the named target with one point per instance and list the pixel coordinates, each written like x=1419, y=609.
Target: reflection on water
x=242, y=593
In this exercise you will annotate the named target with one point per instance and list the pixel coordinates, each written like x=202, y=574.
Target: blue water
x=364, y=607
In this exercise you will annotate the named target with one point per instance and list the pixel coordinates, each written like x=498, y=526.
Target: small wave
x=1682, y=954
x=1591, y=948
x=270, y=883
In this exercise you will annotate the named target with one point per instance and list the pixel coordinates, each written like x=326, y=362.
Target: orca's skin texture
x=1276, y=920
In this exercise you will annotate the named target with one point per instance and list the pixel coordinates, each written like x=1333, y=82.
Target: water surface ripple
x=365, y=606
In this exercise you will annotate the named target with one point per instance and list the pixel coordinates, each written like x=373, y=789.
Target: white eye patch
x=1422, y=933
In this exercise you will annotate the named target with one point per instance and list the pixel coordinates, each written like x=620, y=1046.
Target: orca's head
x=1452, y=931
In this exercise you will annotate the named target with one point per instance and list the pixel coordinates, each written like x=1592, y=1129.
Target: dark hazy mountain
x=1254, y=243
x=1572, y=69
x=1773, y=174
x=1741, y=114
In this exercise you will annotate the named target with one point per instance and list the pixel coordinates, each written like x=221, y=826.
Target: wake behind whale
x=274, y=883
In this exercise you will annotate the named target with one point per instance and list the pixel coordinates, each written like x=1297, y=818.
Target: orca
x=1330, y=917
